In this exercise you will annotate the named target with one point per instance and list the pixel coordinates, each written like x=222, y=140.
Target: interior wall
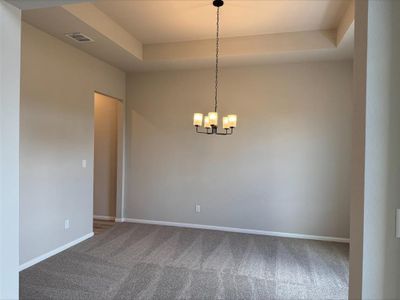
x=57, y=134
x=358, y=151
x=285, y=169
x=381, y=259
x=10, y=54
x=105, y=155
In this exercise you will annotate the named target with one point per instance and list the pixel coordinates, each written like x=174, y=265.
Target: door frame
x=121, y=156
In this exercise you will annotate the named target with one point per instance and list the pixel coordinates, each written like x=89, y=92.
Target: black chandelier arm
x=203, y=132
x=227, y=132
x=214, y=130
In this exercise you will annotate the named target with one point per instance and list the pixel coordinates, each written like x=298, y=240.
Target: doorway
x=107, y=120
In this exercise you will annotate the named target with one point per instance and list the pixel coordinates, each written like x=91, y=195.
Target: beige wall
x=10, y=51
x=286, y=168
x=381, y=248
x=358, y=151
x=57, y=133
x=105, y=155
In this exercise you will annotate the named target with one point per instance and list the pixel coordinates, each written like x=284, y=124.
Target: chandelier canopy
x=211, y=120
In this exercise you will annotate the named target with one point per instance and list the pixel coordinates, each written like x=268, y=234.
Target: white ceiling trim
x=235, y=46
x=118, y=47
x=345, y=23
x=99, y=21
x=243, y=46
x=35, y=4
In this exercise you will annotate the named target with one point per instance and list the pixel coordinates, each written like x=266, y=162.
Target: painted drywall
x=285, y=169
x=57, y=133
x=381, y=249
x=358, y=151
x=10, y=54
x=105, y=155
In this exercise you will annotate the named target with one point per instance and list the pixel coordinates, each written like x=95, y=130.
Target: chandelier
x=211, y=120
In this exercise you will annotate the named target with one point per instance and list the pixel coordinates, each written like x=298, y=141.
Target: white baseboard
x=106, y=218
x=54, y=252
x=119, y=220
x=241, y=230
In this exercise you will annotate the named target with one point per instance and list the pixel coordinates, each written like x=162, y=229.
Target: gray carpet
x=137, y=261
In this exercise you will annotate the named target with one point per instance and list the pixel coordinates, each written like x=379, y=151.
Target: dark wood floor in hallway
x=99, y=226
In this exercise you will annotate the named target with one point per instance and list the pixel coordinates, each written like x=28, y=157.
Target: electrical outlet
x=84, y=163
x=66, y=224
x=197, y=208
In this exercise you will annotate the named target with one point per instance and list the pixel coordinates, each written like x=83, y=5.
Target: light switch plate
x=66, y=224
x=197, y=208
x=84, y=163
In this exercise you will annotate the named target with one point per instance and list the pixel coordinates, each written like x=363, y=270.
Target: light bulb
x=207, y=122
x=225, y=123
x=197, y=119
x=232, y=120
x=213, y=118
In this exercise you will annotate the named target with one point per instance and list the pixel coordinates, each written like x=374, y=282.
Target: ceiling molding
x=29, y=4
x=171, y=21
x=118, y=47
x=243, y=46
x=96, y=19
x=345, y=23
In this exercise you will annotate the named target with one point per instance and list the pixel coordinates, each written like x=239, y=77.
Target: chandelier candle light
x=211, y=120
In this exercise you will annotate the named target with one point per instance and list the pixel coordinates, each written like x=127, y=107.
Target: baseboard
x=119, y=220
x=105, y=218
x=241, y=230
x=38, y=259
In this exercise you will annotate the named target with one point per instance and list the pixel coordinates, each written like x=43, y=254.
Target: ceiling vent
x=79, y=37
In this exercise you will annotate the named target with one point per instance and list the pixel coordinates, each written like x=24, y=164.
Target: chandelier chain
x=216, y=64
x=229, y=122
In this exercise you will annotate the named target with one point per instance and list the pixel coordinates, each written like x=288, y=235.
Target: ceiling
x=174, y=21
x=143, y=35
x=33, y=4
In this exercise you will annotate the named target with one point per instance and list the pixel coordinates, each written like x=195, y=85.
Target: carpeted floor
x=137, y=261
